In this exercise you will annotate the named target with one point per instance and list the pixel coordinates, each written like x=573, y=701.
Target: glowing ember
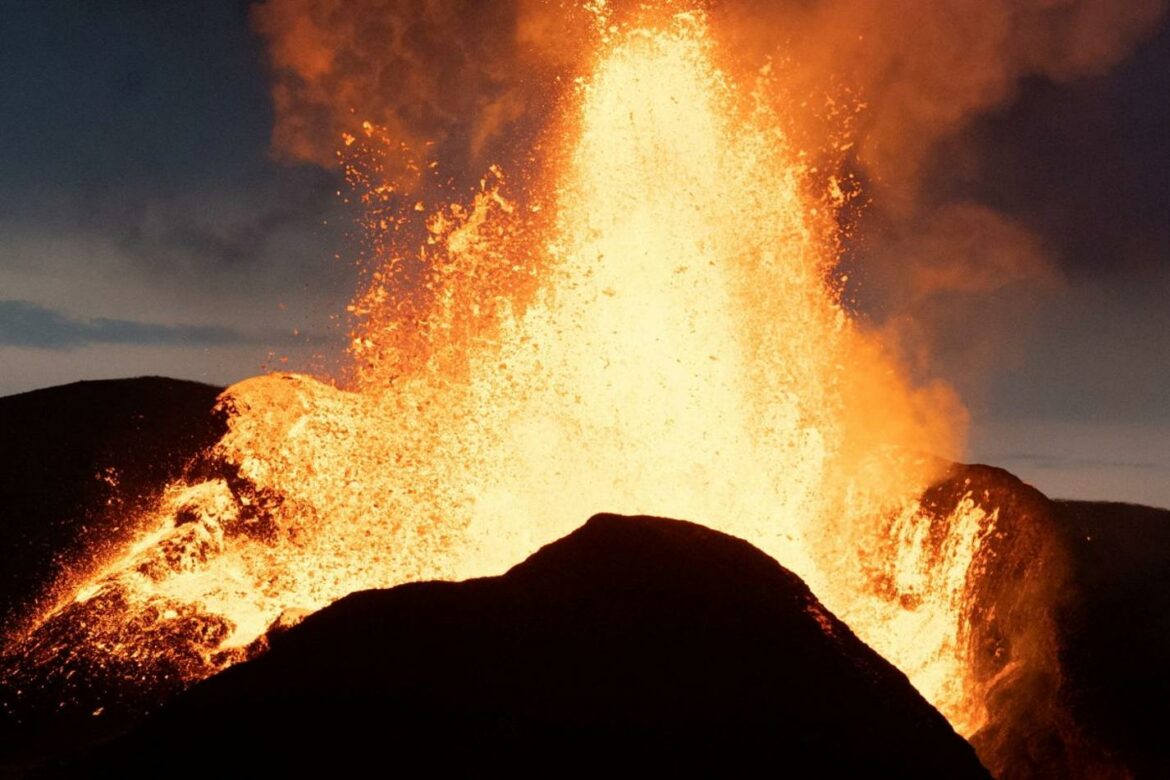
x=655, y=330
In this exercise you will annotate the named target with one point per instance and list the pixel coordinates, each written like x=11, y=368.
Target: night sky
x=146, y=229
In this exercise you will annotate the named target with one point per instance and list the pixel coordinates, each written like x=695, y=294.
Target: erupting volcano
x=644, y=317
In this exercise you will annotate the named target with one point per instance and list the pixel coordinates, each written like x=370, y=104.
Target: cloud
x=1084, y=459
x=25, y=324
x=224, y=229
x=1056, y=461
x=255, y=253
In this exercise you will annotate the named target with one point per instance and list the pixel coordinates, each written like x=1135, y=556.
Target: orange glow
x=654, y=330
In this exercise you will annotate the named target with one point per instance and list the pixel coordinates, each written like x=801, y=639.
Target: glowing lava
x=654, y=331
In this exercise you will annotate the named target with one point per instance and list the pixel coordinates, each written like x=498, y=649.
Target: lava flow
x=649, y=325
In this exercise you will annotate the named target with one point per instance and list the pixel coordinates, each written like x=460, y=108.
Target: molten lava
x=650, y=328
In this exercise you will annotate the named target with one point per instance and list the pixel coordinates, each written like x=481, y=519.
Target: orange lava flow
x=653, y=330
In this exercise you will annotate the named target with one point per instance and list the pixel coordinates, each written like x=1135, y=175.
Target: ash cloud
x=924, y=68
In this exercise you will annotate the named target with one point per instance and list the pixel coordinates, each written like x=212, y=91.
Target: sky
x=143, y=227
x=1083, y=409
x=146, y=228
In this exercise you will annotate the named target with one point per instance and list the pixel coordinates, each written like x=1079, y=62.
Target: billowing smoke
x=445, y=78
x=460, y=72
x=949, y=281
x=926, y=68
x=893, y=84
x=953, y=286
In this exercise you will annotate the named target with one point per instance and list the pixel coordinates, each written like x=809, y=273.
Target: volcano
x=637, y=306
x=687, y=646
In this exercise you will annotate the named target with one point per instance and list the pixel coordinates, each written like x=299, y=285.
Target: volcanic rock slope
x=632, y=643
x=1115, y=630
x=1086, y=584
x=76, y=459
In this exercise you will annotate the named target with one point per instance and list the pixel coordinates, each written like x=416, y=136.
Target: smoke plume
x=446, y=79
x=949, y=282
x=466, y=84
x=460, y=73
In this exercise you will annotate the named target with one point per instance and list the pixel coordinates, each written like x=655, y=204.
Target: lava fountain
x=649, y=325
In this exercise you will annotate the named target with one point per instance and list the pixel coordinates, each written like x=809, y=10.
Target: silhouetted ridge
x=631, y=643
x=1115, y=628
x=77, y=460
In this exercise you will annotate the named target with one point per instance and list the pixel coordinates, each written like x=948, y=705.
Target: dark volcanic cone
x=76, y=461
x=1021, y=582
x=1115, y=629
x=1071, y=626
x=631, y=643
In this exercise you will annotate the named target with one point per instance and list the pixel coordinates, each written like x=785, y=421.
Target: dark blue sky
x=1085, y=409
x=102, y=96
x=144, y=228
